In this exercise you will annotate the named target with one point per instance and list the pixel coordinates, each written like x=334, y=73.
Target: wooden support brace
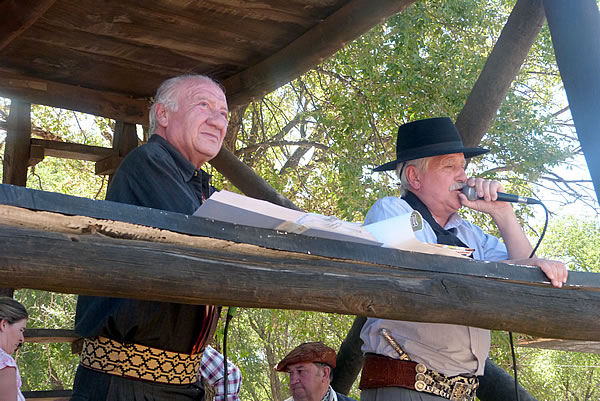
x=16, y=151
x=108, y=166
x=36, y=155
x=500, y=70
x=75, y=151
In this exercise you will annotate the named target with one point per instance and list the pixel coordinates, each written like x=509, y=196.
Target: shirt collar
x=188, y=170
x=454, y=221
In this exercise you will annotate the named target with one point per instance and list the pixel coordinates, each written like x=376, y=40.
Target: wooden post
x=124, y=141
x=18, y=138
x=125, y=138
x=16, y=152
x=575, y=29
x=500, y=70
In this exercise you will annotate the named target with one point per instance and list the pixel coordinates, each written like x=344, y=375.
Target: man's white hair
x=420, y=164
x=167, y=95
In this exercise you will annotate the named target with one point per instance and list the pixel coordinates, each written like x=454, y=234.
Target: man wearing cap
x=310, y=366
x=430, y=361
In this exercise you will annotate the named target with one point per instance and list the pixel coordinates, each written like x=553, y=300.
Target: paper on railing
x=398, y=232
x=239, y=209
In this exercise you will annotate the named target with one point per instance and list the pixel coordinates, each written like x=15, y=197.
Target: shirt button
x=196, y=173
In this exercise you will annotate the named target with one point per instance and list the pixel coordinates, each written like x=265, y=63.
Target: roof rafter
x=17, y=16
x=310, y=49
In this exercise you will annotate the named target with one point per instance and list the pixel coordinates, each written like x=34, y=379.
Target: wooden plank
x=107, y=166
x=36, y=155
x=222, y=274
x=500, y=69
x=575, y=29
x=46, y=336
x=17, y=16
x=52, y=395
x=156, y=24
x=590, y=347
x=310, y=49
x=16, y=150
x=71, y=67
x=125, y=138
x=70, y=205
x=76, y=151
x=70, y=97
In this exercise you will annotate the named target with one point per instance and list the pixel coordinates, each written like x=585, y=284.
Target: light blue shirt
x=448, y=349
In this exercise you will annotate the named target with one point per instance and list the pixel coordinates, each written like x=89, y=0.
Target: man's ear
x=3, y=324
x=413, y=176
x=327, y=373
x=161, y=115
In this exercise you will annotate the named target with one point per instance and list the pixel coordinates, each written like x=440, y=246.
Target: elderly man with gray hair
x=430, y=361
x=143, y=350
x=310, y=366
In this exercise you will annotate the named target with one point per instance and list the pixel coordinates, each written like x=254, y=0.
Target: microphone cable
x=510, y=334
x=228, y=317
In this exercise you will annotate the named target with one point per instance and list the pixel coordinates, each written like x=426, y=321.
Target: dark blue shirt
x=154, y=175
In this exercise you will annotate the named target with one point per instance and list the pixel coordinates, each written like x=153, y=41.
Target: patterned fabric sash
x=139, y=362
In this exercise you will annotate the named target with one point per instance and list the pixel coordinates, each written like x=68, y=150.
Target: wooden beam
x=107, y=166
x=16, y=150
x=575, y=29
x=125, y=138
x=76, y=98
x=46, y=336
x=246, y=180
x=500, y=70
x=76, y=151
x=590, y=347
x=74, y=261
x=17, y=16
x=36, y=155
x=310, y=49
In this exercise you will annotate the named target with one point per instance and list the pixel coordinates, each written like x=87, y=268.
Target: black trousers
x=96, y=386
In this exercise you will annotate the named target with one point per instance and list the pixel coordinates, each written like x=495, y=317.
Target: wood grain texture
x=16, y=152
x=310, y=49
x=96, y=265
x=17, y=16
x=106, y=104
x=77, y=151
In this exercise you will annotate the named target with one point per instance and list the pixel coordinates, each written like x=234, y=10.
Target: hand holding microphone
x=471, y=194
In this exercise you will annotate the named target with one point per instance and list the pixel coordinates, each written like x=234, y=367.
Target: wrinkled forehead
x=449, y=158
x=202, y=87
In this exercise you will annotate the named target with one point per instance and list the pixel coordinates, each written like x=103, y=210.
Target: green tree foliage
x=558, y=375
x=260, y=338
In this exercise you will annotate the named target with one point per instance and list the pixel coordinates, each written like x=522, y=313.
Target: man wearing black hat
x=310, y=366
x=430, y=361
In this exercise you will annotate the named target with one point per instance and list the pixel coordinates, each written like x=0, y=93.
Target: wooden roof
x=51, y=48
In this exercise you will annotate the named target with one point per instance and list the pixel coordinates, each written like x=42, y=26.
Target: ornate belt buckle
x=420, y=384
x=461, y=392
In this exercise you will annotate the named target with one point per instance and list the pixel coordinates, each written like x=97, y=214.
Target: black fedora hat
x=429, y=137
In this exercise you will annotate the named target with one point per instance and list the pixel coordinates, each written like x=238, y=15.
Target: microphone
x=471, y=195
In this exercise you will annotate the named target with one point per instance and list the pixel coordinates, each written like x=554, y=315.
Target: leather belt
x=139, y=361
x=381, y=371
